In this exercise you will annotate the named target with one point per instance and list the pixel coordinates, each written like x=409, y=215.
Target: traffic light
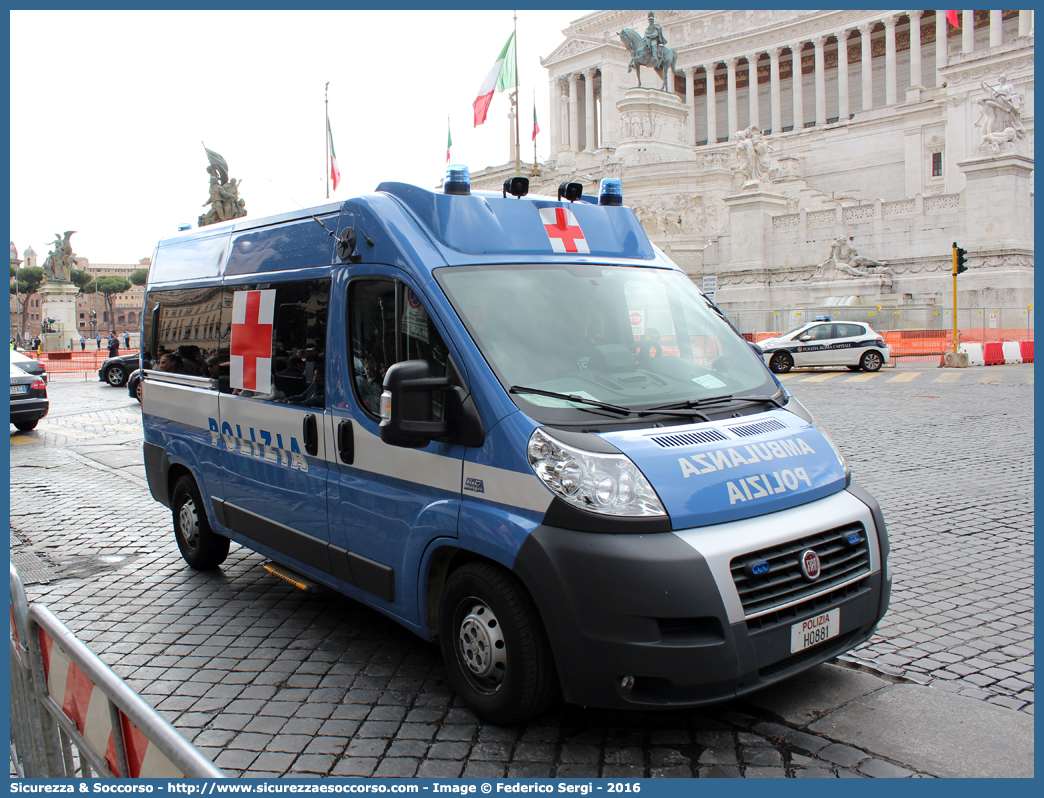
x=960, y=261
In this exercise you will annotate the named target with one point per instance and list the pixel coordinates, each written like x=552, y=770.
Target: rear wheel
x=116, y=376
x=25, y=426
x=199, y=545
x=781, y=363
x=494, y=645
x=872, y=361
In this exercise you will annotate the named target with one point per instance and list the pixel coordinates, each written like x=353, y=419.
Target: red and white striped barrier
x=88, y=707
x=997, y=353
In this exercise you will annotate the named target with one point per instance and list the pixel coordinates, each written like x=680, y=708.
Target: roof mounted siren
x=458, y=179
x=610, y=192
x=516, y=187
x=571, y=191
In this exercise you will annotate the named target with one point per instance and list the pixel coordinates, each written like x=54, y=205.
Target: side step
x=291, y=576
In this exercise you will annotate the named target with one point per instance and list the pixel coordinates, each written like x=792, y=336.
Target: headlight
x=599, y=483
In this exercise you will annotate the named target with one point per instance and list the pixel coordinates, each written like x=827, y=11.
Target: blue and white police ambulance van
x=513, y=425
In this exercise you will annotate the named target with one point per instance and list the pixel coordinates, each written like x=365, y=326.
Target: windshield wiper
x=569, y=397
x=716, y=400
x=623, y=411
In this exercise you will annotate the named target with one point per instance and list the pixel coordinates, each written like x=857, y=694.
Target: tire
x=494, y=646
x=200, y=546
x=25, y=426
x=781, y=363
x=137, y=392
x=871, y=361
x=116, y=376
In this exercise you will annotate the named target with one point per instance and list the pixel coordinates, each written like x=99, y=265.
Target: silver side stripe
x=513, y=488
x=412, y=465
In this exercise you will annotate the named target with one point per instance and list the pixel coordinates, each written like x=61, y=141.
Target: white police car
x=827, y=343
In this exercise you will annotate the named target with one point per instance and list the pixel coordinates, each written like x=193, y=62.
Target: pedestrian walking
x=114, y=344
x=98, y=340
x=83, y=343
x=126, y=339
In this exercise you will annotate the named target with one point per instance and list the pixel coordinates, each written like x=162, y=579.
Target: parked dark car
x=29, y=365
x=134, y=385
x=28, y=399
x=116, y=370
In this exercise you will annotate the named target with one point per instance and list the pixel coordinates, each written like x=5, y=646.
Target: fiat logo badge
x=810, y=565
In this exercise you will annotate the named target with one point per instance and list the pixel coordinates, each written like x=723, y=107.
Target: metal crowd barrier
x=63, y=697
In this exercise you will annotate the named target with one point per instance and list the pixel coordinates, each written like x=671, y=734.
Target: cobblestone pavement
x=267, y=680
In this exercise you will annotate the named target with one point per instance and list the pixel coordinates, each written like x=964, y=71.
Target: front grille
x=688, y=438
x=758, y=428
x=785, y=584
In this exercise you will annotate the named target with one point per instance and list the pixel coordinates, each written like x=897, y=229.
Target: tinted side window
x=387, y=323
x=187, y=329
x=273, y=342
x=849, y=330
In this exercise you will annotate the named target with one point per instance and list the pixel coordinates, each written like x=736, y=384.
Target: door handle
x=346, y=442
x=310, y=433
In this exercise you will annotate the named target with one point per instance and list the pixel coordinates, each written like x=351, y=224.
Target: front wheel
x=494, y=646
x=781, y=363
x=871, y=361
x=116, y=376
x=199, y=545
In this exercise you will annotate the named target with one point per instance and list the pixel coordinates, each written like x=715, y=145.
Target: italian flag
x=449, y=140
x=335, y=172
x=952, y=17
x=500, y=77
x=536, y=127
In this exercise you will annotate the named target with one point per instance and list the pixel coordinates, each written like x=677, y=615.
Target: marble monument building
x=811, y=157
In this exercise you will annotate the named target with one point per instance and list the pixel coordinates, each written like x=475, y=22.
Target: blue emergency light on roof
x=458, y=179
x=184, y=226
x=610, y=192
x=821, y=318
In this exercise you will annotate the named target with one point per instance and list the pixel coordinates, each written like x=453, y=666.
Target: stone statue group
x=225, y=202
x=60, y=261
x=1000, y=116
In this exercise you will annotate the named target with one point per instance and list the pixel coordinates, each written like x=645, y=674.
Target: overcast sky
x=109, y=109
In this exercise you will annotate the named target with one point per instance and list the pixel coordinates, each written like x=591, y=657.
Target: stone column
x=589, y=103
x=821, y=116
x=915, y=47
x=1025, y=23
x=866, y=69
x=690, y=101
x=712, y=105
x=574, y=114
x=891, y=76
x=752, y=89
x=996, y=28
x=795, y=80
x=942, y=32
x=730, y=65
x=555, y=116
x=842, y=76
x=774, y=100
x=967, y=31
x=564, y=120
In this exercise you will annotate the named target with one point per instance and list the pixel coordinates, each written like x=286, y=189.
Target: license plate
x=815, y=630
x=18, y=389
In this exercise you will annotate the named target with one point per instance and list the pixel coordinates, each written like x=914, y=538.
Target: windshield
x=633, y=337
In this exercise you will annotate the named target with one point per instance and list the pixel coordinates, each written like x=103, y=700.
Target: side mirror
x=805, y=338
x=757, y=348
x=408, y=403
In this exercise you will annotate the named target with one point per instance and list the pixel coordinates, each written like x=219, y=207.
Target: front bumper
x=663, y=609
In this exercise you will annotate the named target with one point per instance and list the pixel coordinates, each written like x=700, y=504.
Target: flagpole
x=534, y=133
x=326, y=135
x=518, y=105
